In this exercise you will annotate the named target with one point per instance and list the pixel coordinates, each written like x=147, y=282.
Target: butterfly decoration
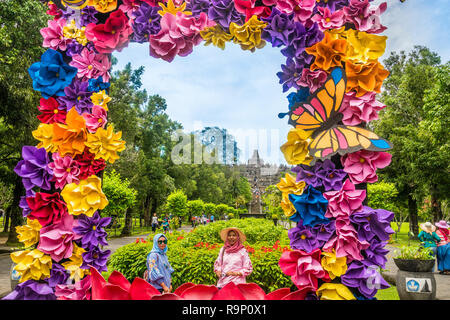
x=320, y=114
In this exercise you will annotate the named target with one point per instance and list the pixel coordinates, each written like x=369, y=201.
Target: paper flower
x=91, y=65
x=84, y=198
x=56, y=239
x=78, y=96
x=96, y=258
x=65, y=170
x=334, y=291
x=105, y=144
x=70, y=137
x=31, y=290
x=302, y=38
x=329, y=20
x=250, y=10
x=364, y=17
x=376, y=254
x=53, y=35
x=288, y=184
x=360, y=109
x=92, y=230
x=295, y=98
x=23, y=204
x=302, y=238
x=103, y=6
x=224, y=12
x=310, y=206
x=34, y=169
x=312, y=79
x=190, y=27
x=333, y=5
x=51, y=75
x=111, y=36
x=101, y=99
x=248, y=36
x=303, y=268
x=87, y=16
x=365, y=278
x=290, y=75
x=172, y=8
x=296, y=150
x=58, y=275
x=329, y=53
x=363, y=47
x=279, y=30
x=32, y=264
x=50, y=112
x=198, y=6
x=302, y=9
x=363, y=78
x=335, y=266
x=287, y=206
x=44, y=134
x=96, y=119
x=28, y=234
x=372, y=223
x=146, y=22
x=215, y=35
x=74, y=264
x=346, y=243
x=324, y=232
x=321, y=174
x=88, y=165
x=361, y=166
x=80, y=290
x=342, y=203
x=96, y=85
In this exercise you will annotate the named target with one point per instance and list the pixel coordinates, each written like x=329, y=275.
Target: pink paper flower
x=78, y=291
x=57, y=239
x=312, y=79
x=327, y=20
x=96, y=119
x=91, y=65
x=302, y=9
x=304, y=268
x=364, y=17
x=65, y=170
x=360, y=109
x=342, y=203
x=346, y=242
x=190, y=26
x=130, y=6
x=361, y=166
x=53, y=35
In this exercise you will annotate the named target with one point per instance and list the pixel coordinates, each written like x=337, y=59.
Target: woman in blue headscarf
x=158, y=266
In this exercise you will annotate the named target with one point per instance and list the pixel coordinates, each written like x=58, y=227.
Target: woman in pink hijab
x=233, y=263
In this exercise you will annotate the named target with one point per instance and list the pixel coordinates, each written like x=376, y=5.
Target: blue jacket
x=158, y=266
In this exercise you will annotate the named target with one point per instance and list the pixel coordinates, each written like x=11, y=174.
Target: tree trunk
x=6, y=220
x=413, y=217
x=147, y=208
x=126, y=231
x=15, y=211
x=436, y=209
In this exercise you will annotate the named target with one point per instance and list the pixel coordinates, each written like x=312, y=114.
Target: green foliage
x=210, y=209
x=415, y=253
x=222, y=209
x=271, y=200
x=119, y=194
x=176, y=203
x=195, y=207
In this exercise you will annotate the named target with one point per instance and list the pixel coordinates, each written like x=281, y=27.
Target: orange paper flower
x=70, y=137
x=363, y=78
x=329, y=53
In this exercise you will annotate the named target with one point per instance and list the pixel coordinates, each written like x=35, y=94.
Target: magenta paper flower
x=360, y=109
x=342, y=203
x=312, y=79
x=91, y=65
x=362, y=165
x=57, y=239
x=304, y=268
x=327, y=20
x=130, y=6
x=364, y=17
x=78, y=291
x=65, y=170
x=190, y=26
x=96, y=119
x=302, y=9
x=346, y=242
x=53, y=35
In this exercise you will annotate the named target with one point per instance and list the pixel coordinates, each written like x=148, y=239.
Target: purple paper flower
x=224, y=12
x=308, y=174
x=310, y=206
x=73, y=48
x=87, y=16
x=364, y=277
x=291, y=73
x=23, y=204
x=31, y=290
x=95, y=258
x=67, y=13
x=146, y=22
x=58, y=275
x=34, y=169
x=302, y=38
x=303, y=238
x=324, y=232
x=280, y=29
x=331, y=177
x=198, y=6
x=376, y=253
x=78, y=96
x=92, y=230
x=333, y=5
x=370, y=223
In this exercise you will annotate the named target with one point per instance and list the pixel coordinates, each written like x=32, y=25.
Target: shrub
x=119, y=194
x=415, y=253
x=176, y=203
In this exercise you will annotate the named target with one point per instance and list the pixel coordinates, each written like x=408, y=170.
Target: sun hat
x=224, y=233
x=428, y=227
x=442, y=224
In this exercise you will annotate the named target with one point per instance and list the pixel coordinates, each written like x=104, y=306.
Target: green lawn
x=402, y=238
x=388, y=294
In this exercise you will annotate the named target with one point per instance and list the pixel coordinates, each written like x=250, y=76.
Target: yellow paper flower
x=74, y=264
x=289, y=185
x=216, y=35
x=248, y=36
x=44, y=133
x=335, y=266
x=103, y=5
x=295, y=150
x=80, y=36
x=70, y=30
x=85, y=197
x=101, y=99
x=32, y=264
x=334, y=291
x=29, y=234
x=105, y=144
x=363, y=47
x=287, y=206
x=172, y=9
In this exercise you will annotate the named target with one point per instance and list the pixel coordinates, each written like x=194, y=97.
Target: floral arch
x=331, y=48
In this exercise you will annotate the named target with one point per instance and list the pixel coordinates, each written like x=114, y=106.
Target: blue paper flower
x=310, y=206
x=51, y=75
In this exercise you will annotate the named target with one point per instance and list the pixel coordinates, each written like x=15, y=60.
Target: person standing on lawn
x=443, y=247
x=154, y=222
x=159, y=271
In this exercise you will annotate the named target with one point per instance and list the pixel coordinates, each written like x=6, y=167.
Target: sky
x=239, y=90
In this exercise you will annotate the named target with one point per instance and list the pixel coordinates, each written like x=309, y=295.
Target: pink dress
x=237, y=261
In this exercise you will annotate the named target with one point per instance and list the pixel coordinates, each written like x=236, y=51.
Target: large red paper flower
x=50, y=112
x=46, y=208
x=249, y=8
x=88, y=165
x=113, y=35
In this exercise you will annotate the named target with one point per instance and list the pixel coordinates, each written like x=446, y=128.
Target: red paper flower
x=248, y=8
x=46, y=208
x=111, y=36
x=88, y=165
x=50, y=112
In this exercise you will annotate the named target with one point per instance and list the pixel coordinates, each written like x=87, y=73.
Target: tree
x=271, y=200
x=195, y=208
x=209, y=208
x=119, y=194
x=221, y=209
x=176, y=203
